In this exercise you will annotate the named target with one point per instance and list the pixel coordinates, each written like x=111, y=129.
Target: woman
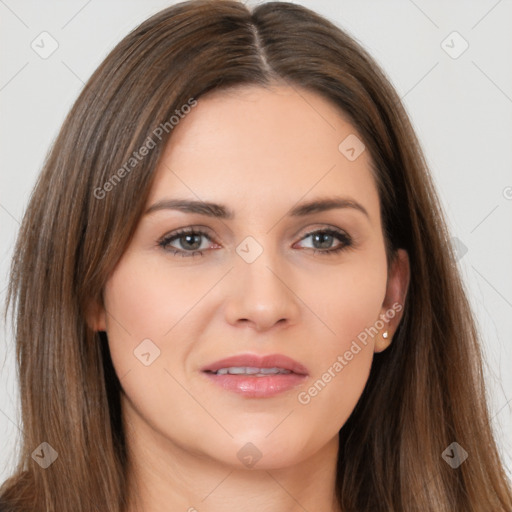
x=232, y=287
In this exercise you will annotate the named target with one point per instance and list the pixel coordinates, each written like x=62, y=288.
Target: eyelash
x=167, y=239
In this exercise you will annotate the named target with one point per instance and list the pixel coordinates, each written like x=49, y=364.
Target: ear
x=96, y=316
x=393, y=305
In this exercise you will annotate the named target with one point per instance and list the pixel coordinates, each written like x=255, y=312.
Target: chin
x=264, y=450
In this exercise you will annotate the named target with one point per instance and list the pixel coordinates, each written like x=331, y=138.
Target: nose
x=261, y=294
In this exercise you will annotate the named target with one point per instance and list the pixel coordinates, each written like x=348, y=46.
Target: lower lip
x=257, y=387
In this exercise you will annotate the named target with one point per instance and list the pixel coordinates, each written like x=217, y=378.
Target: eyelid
x=320, y=227
x=206, y=231
x=177, y=233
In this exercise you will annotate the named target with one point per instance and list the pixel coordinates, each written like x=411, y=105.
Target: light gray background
x=460, y=107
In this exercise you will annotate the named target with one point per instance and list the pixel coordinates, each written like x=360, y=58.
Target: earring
x=385, y=334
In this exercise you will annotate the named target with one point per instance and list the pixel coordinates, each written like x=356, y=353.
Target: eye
x=189, y=240
x=190, y=244
x=323, y=239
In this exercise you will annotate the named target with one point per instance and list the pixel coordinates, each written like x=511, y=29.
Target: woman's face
x=260, y=274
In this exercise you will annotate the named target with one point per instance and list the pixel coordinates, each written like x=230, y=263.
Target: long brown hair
x=424, y=392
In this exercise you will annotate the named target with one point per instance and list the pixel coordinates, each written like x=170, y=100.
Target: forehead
x=252, y=147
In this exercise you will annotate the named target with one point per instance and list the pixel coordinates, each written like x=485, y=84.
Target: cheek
x=333, y=393
x=141, y=308
x=349, y=304
x=148, y=301
x=349, y=298
x=343, y=359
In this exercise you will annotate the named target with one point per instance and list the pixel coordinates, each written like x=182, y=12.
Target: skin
x=259, y=152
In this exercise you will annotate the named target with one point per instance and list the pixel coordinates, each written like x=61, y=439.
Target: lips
x=270, y=361
x=254, y=376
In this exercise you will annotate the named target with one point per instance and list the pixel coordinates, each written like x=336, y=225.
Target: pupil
x=197, y=243
x=325, y=244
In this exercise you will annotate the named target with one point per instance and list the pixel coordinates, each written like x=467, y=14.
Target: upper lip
x=257, y=361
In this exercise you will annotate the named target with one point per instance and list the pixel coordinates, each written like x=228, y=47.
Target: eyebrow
x=220, y=211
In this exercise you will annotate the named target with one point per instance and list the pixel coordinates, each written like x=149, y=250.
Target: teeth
x=249, y=370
